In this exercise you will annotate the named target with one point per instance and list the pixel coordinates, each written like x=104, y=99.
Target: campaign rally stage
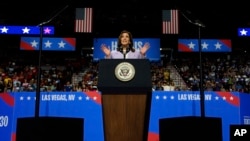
x=231, y=107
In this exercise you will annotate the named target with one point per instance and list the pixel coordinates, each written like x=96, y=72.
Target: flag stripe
x=83, y=21
x=170, y=22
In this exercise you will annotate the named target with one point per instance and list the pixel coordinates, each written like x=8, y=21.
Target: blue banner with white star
x=206, y=45
x=26, y=30
x=48, y=44
x=243, y=32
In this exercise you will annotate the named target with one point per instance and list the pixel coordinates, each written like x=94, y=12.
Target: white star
x=172, y=97
x=80, y=98
x=61, y=44
x=157, y=97
x=217, y=45
x=48, y=44
x=191, y=45
x=4, y=30
x=87, y=98
x=243, y=32
x=164, y=97
x=231, y=98
x=94, y=98
x=216, y=98
x=34, y=44
x=47, y=31
x=28, y=98
x=204, y=45
x=26, y=30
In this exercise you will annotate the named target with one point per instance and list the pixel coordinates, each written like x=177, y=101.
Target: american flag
x=83, y=21
x=170, y=22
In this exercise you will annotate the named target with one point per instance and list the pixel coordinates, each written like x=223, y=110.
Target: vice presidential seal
x=124, y=71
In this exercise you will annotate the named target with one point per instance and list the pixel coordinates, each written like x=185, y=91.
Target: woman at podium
x=125, y=49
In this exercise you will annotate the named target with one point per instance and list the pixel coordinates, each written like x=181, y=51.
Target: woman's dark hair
x=131, y=45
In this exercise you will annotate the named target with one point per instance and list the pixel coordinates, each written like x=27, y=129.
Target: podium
x=125, y=101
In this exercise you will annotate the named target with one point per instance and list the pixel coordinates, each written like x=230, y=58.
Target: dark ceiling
x=142, y=18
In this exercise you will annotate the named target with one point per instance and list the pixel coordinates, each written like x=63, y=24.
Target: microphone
x=199, y=23
x=124, y=53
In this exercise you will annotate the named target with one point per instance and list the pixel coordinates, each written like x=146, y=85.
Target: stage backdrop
x=153, y=53
x=232, y=107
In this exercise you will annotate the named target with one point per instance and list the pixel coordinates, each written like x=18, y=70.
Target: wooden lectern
x=126, y=104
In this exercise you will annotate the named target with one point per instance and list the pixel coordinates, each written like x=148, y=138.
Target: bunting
x=207, y=45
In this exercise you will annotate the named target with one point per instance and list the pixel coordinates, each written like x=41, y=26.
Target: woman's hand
x=105, y=50
x=145, y=48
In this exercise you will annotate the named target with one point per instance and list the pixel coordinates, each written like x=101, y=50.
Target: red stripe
x=70, y=41
x=88, y=20
x=153, y=136
x=164, y=27
x=8, y=99
x=230, y=98
x=13, y=136
x=95, y=96
x=25, y=46
x=226, y=42
x=184, y=48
